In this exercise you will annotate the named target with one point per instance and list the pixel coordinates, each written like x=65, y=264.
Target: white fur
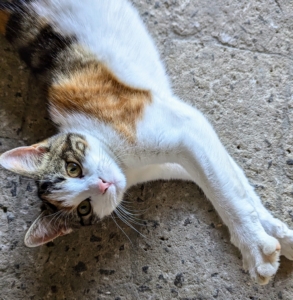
x=174, y=140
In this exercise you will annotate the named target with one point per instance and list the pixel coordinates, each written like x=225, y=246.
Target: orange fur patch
x=96, y=92
x=4, y=17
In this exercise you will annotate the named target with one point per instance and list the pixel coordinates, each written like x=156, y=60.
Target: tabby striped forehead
x=67, y=147
x=61, y=149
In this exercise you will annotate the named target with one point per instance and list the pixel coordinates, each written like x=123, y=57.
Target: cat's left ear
x=45, y=230
x=24, y=160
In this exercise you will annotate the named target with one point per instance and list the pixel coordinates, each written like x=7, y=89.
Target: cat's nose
x=103, y=185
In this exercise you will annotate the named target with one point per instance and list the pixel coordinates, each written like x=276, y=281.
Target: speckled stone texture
x=233, y=60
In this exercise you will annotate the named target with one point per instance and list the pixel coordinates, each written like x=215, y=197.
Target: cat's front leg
x=230, y=197
x=180, y=134
x=272, y=226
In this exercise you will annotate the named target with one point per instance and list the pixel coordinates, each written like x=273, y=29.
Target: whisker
x=130, y=218
x=127, y=223
x=129, y=207
x=122, y=230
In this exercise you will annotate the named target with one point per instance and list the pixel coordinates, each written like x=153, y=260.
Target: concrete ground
x=233, y=60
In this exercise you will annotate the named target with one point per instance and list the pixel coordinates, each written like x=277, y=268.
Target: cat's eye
x=73, y=170
x=84, y=208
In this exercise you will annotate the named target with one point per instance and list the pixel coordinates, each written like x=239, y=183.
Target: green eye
x=73, y=170
x=84, y=208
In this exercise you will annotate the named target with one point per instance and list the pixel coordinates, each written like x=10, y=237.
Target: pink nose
x=103, y=186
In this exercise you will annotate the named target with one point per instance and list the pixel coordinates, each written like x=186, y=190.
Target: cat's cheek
x=74, y=191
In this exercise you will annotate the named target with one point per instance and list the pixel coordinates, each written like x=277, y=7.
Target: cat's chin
x=104, y=205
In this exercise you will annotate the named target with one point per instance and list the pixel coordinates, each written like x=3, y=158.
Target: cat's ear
x=45, y=230
x=24, y=160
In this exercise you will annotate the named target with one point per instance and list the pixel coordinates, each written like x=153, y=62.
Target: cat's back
x=114, y=32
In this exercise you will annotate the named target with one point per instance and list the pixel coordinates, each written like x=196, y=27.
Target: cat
x=119, y=125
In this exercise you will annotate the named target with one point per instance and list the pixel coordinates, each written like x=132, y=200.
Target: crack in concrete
x=218, y=41
x=279, y=5
x=227, y=45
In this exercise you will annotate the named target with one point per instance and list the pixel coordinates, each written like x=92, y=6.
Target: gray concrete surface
x=233, y=60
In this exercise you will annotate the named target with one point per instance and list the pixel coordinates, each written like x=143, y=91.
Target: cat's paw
x=282, y=233
x=262, y=259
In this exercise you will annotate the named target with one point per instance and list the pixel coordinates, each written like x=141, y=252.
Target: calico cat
x=119, y=125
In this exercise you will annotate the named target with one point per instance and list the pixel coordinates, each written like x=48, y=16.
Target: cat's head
x=79, y=181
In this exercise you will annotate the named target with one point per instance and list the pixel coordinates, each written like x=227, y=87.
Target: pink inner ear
x=24, y=151
x=22, y=159
x=39, y=234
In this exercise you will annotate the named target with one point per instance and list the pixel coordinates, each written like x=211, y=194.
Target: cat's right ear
x=24, y=160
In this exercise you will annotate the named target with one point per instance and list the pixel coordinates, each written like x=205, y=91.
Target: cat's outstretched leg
x=211, y=168
x=182, y=135
x=272, y=226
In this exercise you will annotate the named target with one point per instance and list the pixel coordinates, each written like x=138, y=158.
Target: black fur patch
x=39, y=51
x=46, y=187
x=40, y=55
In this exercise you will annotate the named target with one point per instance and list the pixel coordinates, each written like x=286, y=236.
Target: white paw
x=282, y=233
x=262, y=259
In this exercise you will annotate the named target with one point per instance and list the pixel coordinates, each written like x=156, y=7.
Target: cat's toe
x=287, y=244
x=262, y=262
x=265, y=271
x=271, y=251
x=282, y=233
